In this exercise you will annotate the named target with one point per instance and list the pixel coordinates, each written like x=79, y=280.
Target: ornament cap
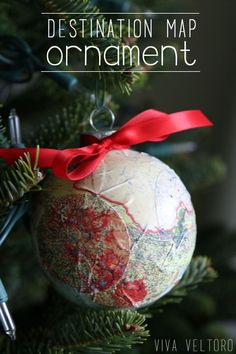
x=87, y=138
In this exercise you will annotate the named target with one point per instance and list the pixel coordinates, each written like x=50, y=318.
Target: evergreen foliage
x=18, y=180
x=69, y=329
x=83, y=332
x=62, y=130
x=122, y=76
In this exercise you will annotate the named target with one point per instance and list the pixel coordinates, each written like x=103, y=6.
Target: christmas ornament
x=120, y=230
x=121, y=237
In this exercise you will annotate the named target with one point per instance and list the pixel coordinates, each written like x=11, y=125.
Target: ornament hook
x=100, y=106
x=99, y=110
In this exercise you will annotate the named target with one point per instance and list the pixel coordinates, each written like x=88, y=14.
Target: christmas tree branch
x=88, y=332
x=17, y=180
x=125, y=77
x=63, y=129
x=199, y=271
x=99, y=332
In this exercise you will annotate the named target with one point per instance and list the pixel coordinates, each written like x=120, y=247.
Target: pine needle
x=19, y=179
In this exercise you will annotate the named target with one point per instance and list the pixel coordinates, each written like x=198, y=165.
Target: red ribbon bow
x=150, y=125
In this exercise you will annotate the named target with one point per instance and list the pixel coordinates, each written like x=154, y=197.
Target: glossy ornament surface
x=121, y=237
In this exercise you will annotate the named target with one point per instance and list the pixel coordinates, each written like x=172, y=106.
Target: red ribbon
x=150, y=125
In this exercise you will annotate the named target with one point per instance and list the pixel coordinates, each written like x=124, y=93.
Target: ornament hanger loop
x=100, y=106
x=98, y=111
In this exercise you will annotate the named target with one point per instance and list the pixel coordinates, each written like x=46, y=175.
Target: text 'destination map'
x=153, y=42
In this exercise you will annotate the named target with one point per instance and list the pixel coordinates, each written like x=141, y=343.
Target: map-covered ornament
x=121, y=237
x=114, y=227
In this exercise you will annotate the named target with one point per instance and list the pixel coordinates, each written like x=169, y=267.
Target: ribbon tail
x=152, y=125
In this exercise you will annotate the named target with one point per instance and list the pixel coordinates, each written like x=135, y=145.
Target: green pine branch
x=99, y=332
x=87, y=332
x=123, y=79
x=199, y=271
x=17, y=180
x=63, y=129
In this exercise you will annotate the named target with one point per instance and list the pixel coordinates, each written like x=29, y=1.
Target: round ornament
x=122, y=237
